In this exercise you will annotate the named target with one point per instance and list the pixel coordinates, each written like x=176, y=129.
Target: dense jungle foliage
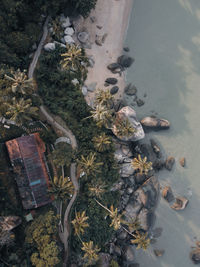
x=21, y=22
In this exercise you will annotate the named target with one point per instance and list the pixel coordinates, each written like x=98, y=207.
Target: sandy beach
x=111, y=18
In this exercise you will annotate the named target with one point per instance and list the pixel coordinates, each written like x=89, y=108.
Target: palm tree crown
x=102, y=142
x=123, y=127
x=103, y=97
x=102, y=116
x=141, y=164
x=80, y=223
x=90, y=252
x=20, y=82
x=88, y=164
x=61, y=187
x=141, y=240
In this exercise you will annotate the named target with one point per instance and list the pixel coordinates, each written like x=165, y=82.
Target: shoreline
x=111, y=18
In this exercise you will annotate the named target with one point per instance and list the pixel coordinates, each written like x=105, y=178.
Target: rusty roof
x=28, y=160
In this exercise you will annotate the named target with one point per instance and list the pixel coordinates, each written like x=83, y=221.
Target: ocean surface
x=164, y=39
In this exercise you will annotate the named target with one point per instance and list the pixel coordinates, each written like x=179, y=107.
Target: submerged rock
x=155, y=123
x=180, y=203
x=125, y=61
x=128, y=113
x=182, y=162
x=155, y=147
x=159, y=252
x=195, y=256
x=167, y=194
x=139, y=102
x=129, y=253
x=169, y=163
x=114, y=67
x=83, y=37
x=130, y=89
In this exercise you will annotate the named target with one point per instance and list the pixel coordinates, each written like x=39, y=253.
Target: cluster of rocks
x=176, y=203
x=131, y=90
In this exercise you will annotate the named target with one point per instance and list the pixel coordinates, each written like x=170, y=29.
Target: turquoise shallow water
x=164, y=38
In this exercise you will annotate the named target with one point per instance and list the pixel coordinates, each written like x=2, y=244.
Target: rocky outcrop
x=180, y=203
x=155, y=123
x=169, y=163
x=125, y=61
x=128, y=113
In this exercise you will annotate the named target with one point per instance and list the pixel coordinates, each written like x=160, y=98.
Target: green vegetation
x=123, y=127
x=41, y=233
x=141, y=164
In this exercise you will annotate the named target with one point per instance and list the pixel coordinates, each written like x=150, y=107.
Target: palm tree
x=133, y=225
x=113, y=213
x=74, y=58
x=141, y=164
x=90, y=252
x=102, y=142
x=141, y=240
x=80, y=223
x=21, y=110
x=88, y=164
x=61, y=188
x=102, y=116
x=97, y=189
x=20, y=82
x=122, y=127
x=103, y=98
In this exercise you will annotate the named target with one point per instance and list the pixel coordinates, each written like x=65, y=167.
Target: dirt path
x=64, y=235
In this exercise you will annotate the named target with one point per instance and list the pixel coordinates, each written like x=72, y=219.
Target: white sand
x=113, y=17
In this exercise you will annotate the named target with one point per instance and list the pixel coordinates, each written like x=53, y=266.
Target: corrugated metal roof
x=27, y=157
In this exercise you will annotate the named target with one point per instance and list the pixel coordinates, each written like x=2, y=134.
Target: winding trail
x=64, y=235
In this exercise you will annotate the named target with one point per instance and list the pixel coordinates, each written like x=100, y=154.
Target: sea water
x=164, y=39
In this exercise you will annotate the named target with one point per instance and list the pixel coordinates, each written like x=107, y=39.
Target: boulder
x=68, y=39
x=155, y=123
x=91, y=61
x=159, y=252
x=158, y=165
x=155, y=147
x=139, y=102
x=167, y=194
x=132, y=209
x=49, y=46
x=65, y=21
x=125, y=61
x=84, y=90
x=169, y=163
x=69, y=31
x=126, y=49
x=92, y=87
x=104, y=260
x=83, y=37
x=114, y=90
x=129, y=253
x=122, y=152
x=140, y=178
x=146, y=219
x=180, y=203
x=182, y=162
x=126, y=170
x=114, y=67
x=128, y=113
x=111, y=81
x=130, y=89
x=195, y=256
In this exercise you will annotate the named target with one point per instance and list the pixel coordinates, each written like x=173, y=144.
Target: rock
x=114, y=90
x=155, y=123
x=92, y=87
x=78, y=23
x=111, y=81
x=75, y=81
x=195, y=256
x=130, y=89
x=158, y=252
x=182, y=162
x=129, y=253
x=116, y=187
x=125, y=61
x=128, y=113
x=98, y=40
x=167, y=194
x=122, y=152
x=132, y=209
x=146, y=219
x=118, y=105
x=49, y=46
x=93, y=19
x=126, y=170
x=69, y=31
x=169, y=163
x=122, y=235
x=91, y=61
x=155, y=147
x=83, y=37
x=65, y=21
x=84, y=90
x=117, y=251
x=158, y=165
x=134, y=265
x=157, y=232
x=180, y=203
x=126, y=49
x=60, y=44
x=104, y=260
x=140, y=178
x=129, y=191
x=139, y=102
x=114, y=67
x=68, y=39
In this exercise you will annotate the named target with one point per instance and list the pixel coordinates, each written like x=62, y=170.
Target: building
x=28, y=160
